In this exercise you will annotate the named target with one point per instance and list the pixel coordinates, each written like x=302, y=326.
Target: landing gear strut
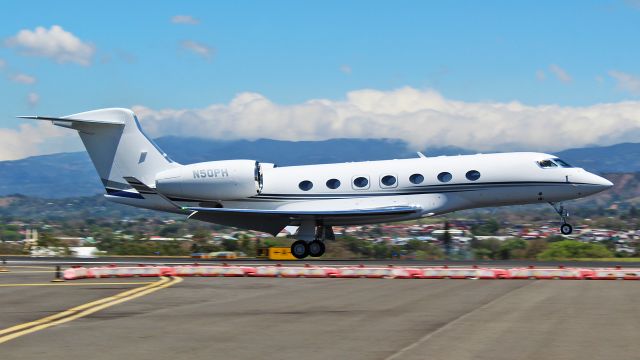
x=565, y=228
x=311, y=240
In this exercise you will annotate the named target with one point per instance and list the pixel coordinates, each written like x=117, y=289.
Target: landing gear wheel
x=300, y=249
x=566, y=229
x=316, y=248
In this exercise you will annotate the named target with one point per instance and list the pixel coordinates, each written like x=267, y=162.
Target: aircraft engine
x=212, y=180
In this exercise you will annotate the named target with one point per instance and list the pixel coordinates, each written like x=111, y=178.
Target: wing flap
x=273, y=221
x=389, y=210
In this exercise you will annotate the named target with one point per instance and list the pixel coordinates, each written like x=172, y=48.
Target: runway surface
x=25, y=260
x=277, y=318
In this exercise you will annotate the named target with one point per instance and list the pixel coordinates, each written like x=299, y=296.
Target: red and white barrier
x=390, y=272
x=546, y=273
x=613, y=274
x=308, y=272
x=377, y=272
x=211, y=270
x=461, y=273
x=76, y=272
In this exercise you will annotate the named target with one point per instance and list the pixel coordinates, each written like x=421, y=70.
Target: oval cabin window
x=333, y=183
x=445, y=177
x=388, y=180
x=473, y=175
x=305, y=185
x=416, y=179
x=361, y=182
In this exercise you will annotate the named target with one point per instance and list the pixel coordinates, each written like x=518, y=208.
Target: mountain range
x=72, y=174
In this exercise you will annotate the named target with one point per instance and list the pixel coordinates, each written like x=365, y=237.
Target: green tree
x=571, y=249
x=512, y=248
x=489, y=228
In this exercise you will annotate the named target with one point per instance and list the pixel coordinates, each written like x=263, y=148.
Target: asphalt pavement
x=280, y=318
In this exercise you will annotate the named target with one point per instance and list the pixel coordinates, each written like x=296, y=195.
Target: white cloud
x=27, y=139
x=32, y=99
x=626, y=82
x=203, y=50
x=346, y=69
x=185, y=19
x=540, y=75
x=23, y=79
x=54, y=43
x=560, y=73
x=420, y=117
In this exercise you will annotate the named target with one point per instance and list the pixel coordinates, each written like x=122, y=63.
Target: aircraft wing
x=273, y=221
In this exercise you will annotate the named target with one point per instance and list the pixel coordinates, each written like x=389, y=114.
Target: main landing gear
x=311, y=245
x=565, y=228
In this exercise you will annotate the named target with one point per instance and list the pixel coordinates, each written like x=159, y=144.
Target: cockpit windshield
x=552, y=163
x=546, y=164
x=562, y=163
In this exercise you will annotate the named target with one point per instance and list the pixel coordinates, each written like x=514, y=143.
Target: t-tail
x=126, y=160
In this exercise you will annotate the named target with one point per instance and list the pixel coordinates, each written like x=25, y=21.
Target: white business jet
x=260, y=196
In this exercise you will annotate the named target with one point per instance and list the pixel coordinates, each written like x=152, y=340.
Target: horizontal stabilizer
x=71, y=120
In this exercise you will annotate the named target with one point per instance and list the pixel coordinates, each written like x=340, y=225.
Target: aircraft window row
x=362, y=182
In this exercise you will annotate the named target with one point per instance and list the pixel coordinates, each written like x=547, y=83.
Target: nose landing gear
x=565, y=228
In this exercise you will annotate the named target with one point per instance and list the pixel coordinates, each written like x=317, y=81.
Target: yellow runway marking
x=28, y=266
x=79, y=284
x=84, y=310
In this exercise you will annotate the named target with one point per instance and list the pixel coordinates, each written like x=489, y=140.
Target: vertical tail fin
x=117, y=146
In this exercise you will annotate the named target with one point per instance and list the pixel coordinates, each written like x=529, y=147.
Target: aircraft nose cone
x=599, y=183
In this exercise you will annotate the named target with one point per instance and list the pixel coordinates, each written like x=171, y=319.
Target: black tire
x=300, y=249
x=316, y=248
x=566, y=229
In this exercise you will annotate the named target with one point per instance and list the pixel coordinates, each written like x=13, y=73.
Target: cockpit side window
x=562, y=163
x=546, y=164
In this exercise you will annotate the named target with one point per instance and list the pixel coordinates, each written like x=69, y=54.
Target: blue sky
x=565, y=53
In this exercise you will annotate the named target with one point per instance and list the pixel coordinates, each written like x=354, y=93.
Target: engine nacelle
x=211, y=180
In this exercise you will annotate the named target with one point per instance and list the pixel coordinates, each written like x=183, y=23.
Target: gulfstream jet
x=260, y=196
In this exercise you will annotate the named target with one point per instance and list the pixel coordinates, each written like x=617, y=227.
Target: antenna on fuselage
x=421, y=155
